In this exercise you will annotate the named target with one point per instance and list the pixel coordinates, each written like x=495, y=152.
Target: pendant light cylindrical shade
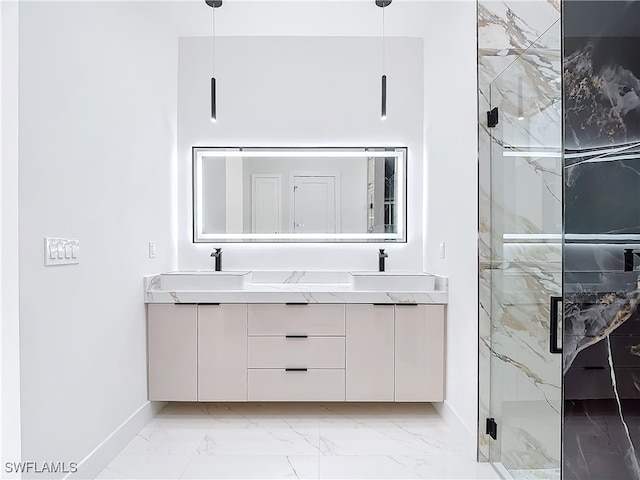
x=213, y=4
x=213, y=99
x=383, y=112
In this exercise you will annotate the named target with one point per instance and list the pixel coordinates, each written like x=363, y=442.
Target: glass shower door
x=526, y=263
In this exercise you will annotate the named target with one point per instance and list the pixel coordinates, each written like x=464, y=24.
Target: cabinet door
x=172, y=349
x=419, y=353
x=222, y=353
x=369, y=368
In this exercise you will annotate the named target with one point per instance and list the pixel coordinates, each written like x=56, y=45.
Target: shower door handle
x=553, y=325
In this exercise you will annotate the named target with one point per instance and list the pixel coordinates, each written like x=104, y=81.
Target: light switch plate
x=152, y=249
x=442, y=250
x=61, y=251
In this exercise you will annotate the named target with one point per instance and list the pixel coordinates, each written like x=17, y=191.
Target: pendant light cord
x=383, y=43
x=213, y=41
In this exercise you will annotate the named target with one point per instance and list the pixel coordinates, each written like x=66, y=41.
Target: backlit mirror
x=299, y=194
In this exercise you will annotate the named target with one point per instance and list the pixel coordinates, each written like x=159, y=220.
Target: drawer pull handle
x=295, y=369
x=296, y=336
x=296, y=303
x=406, y=304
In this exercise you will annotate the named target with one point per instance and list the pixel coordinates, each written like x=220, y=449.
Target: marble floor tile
x=149, y=466
x=252, y=466
x=375, y=441
x=536, y=474
x=157, y=439
x=447, y=466
x=263, y=439
x=298, y=440
x=364, y=467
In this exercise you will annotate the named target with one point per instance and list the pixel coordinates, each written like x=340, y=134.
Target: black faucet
x=381, y=257
x=218, y=256
x=629, y=258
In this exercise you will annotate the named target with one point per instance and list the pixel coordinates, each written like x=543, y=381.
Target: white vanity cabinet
x=222, y=353
x=172, y=332
x=395, y=353
x=419, y=353
x=370, y=353
x=197, y=352
x=296, y=352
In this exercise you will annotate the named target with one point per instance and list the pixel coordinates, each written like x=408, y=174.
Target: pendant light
x=383, y=111
x=213, y=4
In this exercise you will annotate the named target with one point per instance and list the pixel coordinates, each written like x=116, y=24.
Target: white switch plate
x=442, y=250
x=152, y=249
x=61, y=251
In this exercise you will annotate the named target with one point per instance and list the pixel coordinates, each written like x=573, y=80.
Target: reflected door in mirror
x=266, y=205
x=314, y=204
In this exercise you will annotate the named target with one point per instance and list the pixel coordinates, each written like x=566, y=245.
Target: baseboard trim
x=96, y=461
x=468, y=437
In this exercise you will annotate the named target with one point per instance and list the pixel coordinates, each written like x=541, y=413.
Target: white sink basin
x=393, y=281
x=202, y=280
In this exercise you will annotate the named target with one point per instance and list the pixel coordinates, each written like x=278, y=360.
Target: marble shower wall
x=514, y=278
x=601, y=351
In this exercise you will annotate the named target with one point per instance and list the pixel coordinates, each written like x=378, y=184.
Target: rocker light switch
x=61, y=251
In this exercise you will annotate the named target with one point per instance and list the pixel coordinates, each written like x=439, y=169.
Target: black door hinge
x=492, y=428
x=492, y=117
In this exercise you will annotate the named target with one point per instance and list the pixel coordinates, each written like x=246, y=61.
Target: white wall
x=97, y=123
x=300, y=91
x=9, y=296
x=451, y=183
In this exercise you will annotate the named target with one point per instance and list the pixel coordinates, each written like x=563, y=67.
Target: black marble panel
x=602, y=196
x=590, y=375
x=597, y=442
x=601, y=324
x=597, y=268
x=602, y=88
x=625, y=351
x=588, y=315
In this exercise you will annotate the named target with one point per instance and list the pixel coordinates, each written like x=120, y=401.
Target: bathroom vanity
x=296, y=336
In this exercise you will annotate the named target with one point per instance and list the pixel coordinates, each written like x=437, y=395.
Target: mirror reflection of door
x=314, y=204
x=266, y=203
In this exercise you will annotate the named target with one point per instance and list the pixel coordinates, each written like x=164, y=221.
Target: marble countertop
x=295, y=287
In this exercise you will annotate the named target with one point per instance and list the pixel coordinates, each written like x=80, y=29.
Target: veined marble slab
x=294, y=287
x=515, y=279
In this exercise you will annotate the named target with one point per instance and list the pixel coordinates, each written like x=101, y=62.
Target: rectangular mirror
x=299, y=194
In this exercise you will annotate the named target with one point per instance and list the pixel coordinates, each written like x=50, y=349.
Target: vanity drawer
x=279, y=385
x=279, y=319
x=310, y=352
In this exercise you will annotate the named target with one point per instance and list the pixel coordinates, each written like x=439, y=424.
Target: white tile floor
x=293, y=440
x=541, y=474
